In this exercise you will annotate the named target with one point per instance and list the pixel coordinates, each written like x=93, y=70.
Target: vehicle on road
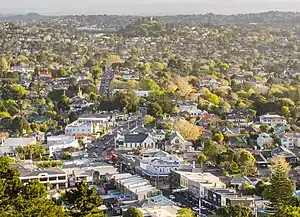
x=196, y=209
x=172, y=197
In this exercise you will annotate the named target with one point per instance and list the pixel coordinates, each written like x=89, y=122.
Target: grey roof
x=239, y=180
x=282, y=151
x=176, y=134
x=135, y=138
x=31, y=171
x=11, y=143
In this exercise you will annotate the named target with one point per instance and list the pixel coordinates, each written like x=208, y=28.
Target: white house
x=272, y=120
x=143, y=93
x=77, y=127
x=178, y=143
x=136, y=140
x=209, y=83
x=191, y=109
x=8, y=146
x=264, y=139
x=290, y=140
x=161, y=163
x=57, y=143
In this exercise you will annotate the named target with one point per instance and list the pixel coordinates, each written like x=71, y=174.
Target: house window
x=177, y=141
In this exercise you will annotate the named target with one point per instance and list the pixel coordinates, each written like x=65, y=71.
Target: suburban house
x=136, y=140
x=159, y=164
x=58, y=143
x=45, y=75
x=264, y=139
x=143, y=93
x=190, y=109
x=205, y=120
x=51, y=177
x=237, y=141
x=238, y=120
x=290, y=157
x=209, y=83
x=176, y=142
x=238, y=181
x=79, y=104
x=272, y=120
x=8, y=146
x=290, y=140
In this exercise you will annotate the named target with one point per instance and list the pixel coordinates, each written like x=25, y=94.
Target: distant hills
x=21, y=17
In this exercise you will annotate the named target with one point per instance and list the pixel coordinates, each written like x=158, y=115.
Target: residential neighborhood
x=175, y=116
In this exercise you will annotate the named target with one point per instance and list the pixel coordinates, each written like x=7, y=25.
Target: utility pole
x=200, y=199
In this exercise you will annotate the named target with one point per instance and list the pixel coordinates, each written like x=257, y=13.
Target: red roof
x=45, y=75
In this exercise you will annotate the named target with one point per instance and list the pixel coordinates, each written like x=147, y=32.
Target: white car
x=196, y=209
x=172, y=197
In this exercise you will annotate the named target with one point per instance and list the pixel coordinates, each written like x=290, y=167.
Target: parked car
x=172, y=197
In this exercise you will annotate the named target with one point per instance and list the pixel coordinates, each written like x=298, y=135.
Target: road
x=108, y=141
x=106, y=80
x=183, y=201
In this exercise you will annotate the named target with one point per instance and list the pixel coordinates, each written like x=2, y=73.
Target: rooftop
x=9, y=145
x=27, y=170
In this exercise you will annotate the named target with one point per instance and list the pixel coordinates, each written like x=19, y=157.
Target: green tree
x=3, y=66
x=288, y=211
x=218, y=137
x=82, y=199
x=235, y=211
x=149, y=84
x=155, y=110
x=282, y=188
x=185, y=212
x=211, y=150
x=18, y=200
x=246, y=161
x=20, y=125
x=66, y=156
x=148, y=120
x=202, y=159
x=133, y=212
x=259, y=188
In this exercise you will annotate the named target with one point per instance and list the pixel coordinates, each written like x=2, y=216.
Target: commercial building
x=50, y=177
x=135, y=186
x=213, y=192
x=81, y=128
x=57, y=143
x=159, y=164
x=90, y=172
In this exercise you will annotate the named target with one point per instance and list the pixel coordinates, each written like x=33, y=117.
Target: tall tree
x=82, y=199
x=282, y=188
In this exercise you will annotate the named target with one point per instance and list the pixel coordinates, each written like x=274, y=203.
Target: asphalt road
x=185, y=202
x=108, y=141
